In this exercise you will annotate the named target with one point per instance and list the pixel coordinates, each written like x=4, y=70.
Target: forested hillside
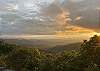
x=19, y=58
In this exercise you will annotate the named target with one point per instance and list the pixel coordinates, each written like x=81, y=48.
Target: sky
x=49, y=17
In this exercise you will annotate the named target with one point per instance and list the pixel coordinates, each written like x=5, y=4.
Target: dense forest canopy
x=31, y=59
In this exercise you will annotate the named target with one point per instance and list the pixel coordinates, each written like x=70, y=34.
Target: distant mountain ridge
x=52, y=46
x=67, y=47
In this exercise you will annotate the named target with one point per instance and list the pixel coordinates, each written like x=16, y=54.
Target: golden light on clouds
x=63, y=17
x=78, y=18
x=95, y=33
x=76, y=31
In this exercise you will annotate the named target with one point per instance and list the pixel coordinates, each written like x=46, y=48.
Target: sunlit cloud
x=46, y=16
x=98, y=8
x=78, y=18
x=12, y=7
x=76, y=31
x=63, y=18
x=76, y=0
x=12, y=23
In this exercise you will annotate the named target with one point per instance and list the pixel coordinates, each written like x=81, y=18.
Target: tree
x=24, y=59
x=5, y=48
x=91, y=50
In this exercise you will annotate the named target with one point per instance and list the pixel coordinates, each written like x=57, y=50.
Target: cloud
x=63, y=18
x=12, y=7
x=47, y=16
x=72, y=30
x=78, y=18
x=85, y=9
x=76, y=0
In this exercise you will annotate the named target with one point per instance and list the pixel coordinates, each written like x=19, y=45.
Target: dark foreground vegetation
x=31, y=59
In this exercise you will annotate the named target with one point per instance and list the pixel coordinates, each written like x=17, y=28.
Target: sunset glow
x=95, y=33
x=49, y=35
x=52, y=18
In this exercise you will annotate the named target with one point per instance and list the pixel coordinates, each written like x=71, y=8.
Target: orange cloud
x=63, y=17
x=78, y=18
x=71, y=30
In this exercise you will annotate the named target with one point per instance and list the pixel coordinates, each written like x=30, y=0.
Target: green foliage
x=24, y=59
x=30, y=59
x=5, y=48
x=91, y=50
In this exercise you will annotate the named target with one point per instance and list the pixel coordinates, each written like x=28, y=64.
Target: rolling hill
x=61, y=48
